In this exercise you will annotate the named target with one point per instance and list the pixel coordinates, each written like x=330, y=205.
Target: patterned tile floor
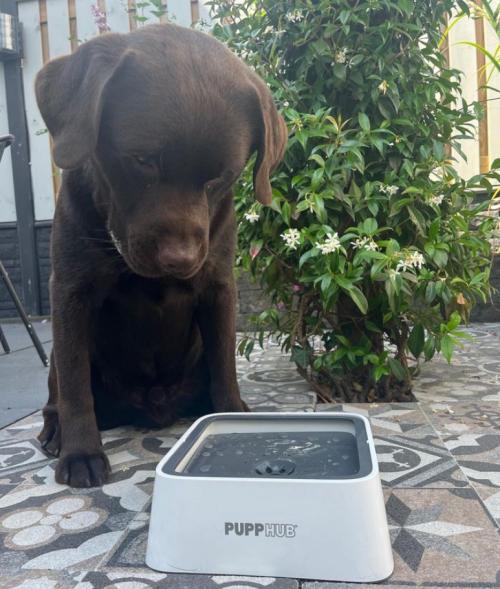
x=439, y=461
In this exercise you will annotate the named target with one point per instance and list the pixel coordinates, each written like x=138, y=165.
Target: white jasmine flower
x=330, y=245
x=437, y=199
x=295, y=16
x=366, y=243
x=286, y=104
x=410, y=261
x=292, y=238
x=389, y=189
x=383, y=86
x=341, y=55
x=252, y=216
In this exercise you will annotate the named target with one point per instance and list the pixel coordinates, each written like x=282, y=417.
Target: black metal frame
x=5, y=141
x=21, y=172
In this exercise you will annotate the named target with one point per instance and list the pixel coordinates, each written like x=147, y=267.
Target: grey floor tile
x=23, y=384
x=18, y=338
x=145, y=578
x=461, y=418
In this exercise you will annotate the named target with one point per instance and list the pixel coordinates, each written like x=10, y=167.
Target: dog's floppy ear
x=271, y=143
x=69, y=92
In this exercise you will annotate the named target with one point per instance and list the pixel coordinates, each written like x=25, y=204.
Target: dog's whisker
x=99, y=239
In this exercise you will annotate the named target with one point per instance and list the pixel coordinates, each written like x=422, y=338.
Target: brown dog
x=152, y=129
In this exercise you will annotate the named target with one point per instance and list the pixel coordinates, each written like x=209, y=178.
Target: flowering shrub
x=373, y=249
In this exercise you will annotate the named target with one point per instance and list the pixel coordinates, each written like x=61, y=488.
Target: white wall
x=41, y=163
x=7, y=204
x=463, y=57
x=491, y=42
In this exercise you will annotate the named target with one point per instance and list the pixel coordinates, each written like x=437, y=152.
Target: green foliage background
x=388, y=248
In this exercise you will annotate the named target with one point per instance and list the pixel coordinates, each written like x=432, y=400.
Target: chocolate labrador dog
x=152, y=129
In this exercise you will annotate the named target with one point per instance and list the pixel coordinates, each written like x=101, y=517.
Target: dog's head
x=167, y=118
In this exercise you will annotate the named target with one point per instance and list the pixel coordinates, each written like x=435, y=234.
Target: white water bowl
x=272, y=494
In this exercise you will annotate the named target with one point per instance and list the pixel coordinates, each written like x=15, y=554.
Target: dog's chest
x=145, y=322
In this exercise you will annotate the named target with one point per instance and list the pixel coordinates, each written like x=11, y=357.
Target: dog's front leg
x=216, y=318
x=82, y=462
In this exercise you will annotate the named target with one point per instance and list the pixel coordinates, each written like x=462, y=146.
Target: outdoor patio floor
x=439, y=460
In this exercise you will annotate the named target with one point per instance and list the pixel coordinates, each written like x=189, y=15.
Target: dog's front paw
x=83, y=470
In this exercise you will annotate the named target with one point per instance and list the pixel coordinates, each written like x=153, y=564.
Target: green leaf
x=301, y=356
x=379, y=372
x=397, y=369
x=386, y=108
x=344, y=16
x=454, y=321
x=369, y=226
x=318, y=159
x=373, y=207
x=343, y=282
x=377, y=267
x=430, y=292
x=416, y=340
x=372, y=327
x=429, y=347
x=391, y=294
x=305, y=256
x=379, y=144
x=434, y=229
x=356, y=60
x=484, y=51
x=438, y=149
x=417, y=218
x=302, y=138
x=325, y=283
x=447, y=347
x=340, y=71
x=359, y=298
x=364, y=122
x=440, y=258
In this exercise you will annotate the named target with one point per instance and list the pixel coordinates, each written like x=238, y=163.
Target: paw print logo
x=30, y=528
